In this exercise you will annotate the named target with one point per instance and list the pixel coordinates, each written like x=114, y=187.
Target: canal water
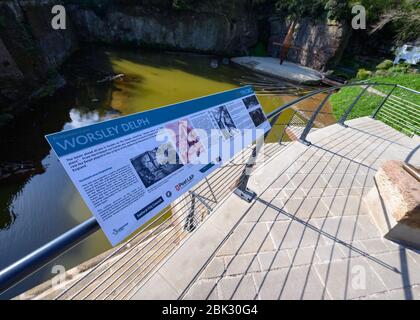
x=38, y=202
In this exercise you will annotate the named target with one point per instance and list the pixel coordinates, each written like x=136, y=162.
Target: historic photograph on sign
x=257, y=117
x=250, y=102
x=154, y=165
x=188, y=144
x=225, y=122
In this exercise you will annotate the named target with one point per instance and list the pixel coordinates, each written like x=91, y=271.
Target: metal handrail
x=247, y=194
x=311, y=121
x=34, y=261
x=408, y=89
x=21, y=269
x=316, y=92
x=353, y=104
x=383, y=101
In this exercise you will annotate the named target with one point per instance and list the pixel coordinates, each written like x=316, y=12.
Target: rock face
x=225, y=27
x=398, y=196
x=400, y=192
x=30, y=49
x=394, y=204
x=318, y=44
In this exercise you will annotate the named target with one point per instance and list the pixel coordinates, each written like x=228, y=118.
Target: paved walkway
x=308, y=235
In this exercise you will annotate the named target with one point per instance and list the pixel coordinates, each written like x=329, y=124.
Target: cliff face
x=316, y=44
x=30, y=50
x=224, y=27
x=211, y=26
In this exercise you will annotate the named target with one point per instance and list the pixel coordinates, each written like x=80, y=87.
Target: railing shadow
x=346, y=245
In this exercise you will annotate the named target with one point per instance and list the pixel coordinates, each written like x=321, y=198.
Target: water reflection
x=80, y=119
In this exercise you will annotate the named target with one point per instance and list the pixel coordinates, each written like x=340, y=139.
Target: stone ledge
x=401, y=193
x=395, y=204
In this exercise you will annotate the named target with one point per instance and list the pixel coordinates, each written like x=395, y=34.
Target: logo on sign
x=117, y=231
x=182, y=184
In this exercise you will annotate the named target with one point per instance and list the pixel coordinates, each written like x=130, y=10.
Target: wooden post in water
x=287, y=43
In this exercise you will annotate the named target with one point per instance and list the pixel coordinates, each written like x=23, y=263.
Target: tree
x=338, y=9
x=405, y=19
x=302, y=8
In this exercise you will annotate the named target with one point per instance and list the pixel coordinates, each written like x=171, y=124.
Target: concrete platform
x=287, y=71
x=309, y=233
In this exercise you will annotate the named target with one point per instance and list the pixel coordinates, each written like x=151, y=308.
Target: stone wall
x=224, y=27
x=30, y=50
x=316, y=44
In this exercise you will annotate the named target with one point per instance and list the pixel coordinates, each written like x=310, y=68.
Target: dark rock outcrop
x=30, y=49
x=316, y=44
x=221, y=27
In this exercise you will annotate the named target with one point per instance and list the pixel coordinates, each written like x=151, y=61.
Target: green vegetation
x=363, y=74
x=402, y=15
x=302, y=8
x=409, y=80
x=181, y=5
x=385, y=65
x=341, y=101
x=259, y=50
x=5, y=118
x=2, y=22
x=402, y=74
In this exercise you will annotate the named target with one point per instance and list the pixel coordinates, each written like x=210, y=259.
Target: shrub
x=181, y=5
x=363, y=74
x=382, y=73
x=5, y=118
x=259, y=50
x=400, y=68
x=385, y=65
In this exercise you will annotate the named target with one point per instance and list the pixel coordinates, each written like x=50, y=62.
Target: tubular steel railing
x=123, y=268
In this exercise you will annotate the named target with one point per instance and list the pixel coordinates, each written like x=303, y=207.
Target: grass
x=342, y=100
x=369, y=102
x=409, y=80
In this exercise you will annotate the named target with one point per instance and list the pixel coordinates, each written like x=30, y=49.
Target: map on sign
x=130, y=168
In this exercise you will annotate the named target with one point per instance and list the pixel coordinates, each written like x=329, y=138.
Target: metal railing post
x=242, y=188
x=373, y=116
x=350, y=108
x=312, y=120
x=190, y=225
